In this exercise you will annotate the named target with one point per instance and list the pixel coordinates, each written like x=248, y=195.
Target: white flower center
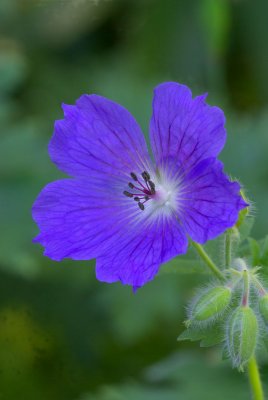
x=166, y=194
x=154, y=192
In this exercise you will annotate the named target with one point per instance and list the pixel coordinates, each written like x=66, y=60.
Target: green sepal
x=210, y=303
x=225, y=354
x=243, y=214
x=242, y=333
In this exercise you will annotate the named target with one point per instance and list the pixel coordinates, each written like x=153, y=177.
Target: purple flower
x=130, y=211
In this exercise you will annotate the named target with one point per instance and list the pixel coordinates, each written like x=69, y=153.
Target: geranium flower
x=130, y=211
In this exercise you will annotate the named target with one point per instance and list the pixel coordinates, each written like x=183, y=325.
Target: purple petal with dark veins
x=81, y=220
x=97, y=137
x=78, y=218
x=135, y=258
x=185, y=128
x=210, y=201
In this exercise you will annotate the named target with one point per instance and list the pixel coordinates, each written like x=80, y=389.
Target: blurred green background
x=63, y=335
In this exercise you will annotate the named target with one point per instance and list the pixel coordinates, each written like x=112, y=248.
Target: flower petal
x=81, y=220
x=98, y=136
x=210, y=201
x=78, y=218
x=185, y=128
x=135, y=258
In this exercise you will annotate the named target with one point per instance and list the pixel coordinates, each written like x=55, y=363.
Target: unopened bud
x=210, y=304
x=242, y=333
x=263, y=307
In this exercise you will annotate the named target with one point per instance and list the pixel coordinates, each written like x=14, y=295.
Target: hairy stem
x=205, y=257
x=255, y=380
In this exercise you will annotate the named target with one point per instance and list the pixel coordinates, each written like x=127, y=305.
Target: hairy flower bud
x=210, y=304
x=263, y=307
x=242, y=333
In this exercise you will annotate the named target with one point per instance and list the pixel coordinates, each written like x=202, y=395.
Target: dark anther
x=152, y=187
x=127, y=194
x=141, y=206
x=145, y=176
x=133, y=176
x=145, y=190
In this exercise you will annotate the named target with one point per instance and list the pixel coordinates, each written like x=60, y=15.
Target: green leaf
x=214, y=336
x=208, y=337
x=191, y=334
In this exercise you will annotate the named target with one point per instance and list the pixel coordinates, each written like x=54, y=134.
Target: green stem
x=228, y=248
x=255, y=380
x=205, y=257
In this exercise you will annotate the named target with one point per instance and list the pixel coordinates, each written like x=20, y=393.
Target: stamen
x=145, y=176
x=141, y=206
x=133, y=176
x=127, y=194
x=143, y=190
x=152, y=187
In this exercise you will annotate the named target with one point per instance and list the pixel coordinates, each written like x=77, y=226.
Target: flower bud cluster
x=239, y=306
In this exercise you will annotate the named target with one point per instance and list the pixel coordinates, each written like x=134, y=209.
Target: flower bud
x=242, y=333
x=263, y=307
x=210, y=304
